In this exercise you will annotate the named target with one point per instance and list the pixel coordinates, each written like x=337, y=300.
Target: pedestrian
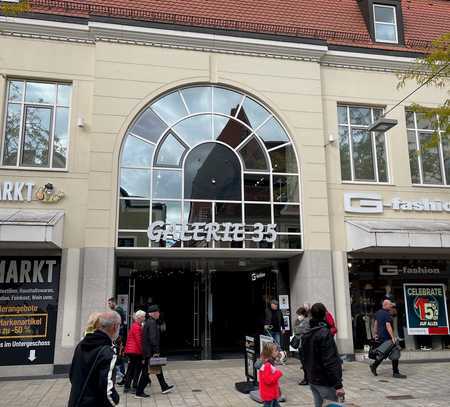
x=92, y=324
x=321, y=359
x=301, y=326
x=133, y=350
x=151, y=348
x=269, y=376
x=92, y=372
x=112, y=304
x=274, y=322
x=331, y=323
x=384, y=334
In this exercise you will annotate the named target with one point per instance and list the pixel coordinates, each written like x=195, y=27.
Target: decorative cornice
x=93, y=32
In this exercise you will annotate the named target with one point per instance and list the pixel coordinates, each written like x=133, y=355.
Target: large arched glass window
x=208, y=154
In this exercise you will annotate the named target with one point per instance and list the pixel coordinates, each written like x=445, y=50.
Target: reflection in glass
x=431, y=163
x=250, y=244
x=384, y=14
x=285, y=188
x=287, y=218
x=170, y=108
x=252, y=113
x=64, y=92
x=166, y=184
x=257, y=213
x=137, y=153
x=423, y=122
x=253, y=156
x=194, y=130
x=132, y=239
x=134, y=214
x=226, y=101
x=61, y=138
x=410, y=124
x=342, y=115
x=362, y=155
x=135, y=183
x=257, y=187
x=36, y=136
x=198, y=99
x=283, y=159
x=360, y=116
x=272, y=133
x=288, y=242
x=413, y=157
x=15, y=93
x=446, y=151
x=167, y=212
x=380, y=143
x=232, y=133
x=344, y=148
x=386, y=32
x=197, y=212
x=149, y=126
x=228, y=212
x=37, y=92
x=12, y=130
x=170, y=152
x=213, y=172
x=219, y=123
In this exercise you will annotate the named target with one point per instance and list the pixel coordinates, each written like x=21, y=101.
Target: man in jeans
x=321, y=360
x=274, y=321
x=384, y=333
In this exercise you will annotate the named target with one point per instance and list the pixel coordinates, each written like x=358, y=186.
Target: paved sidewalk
x=211, y=384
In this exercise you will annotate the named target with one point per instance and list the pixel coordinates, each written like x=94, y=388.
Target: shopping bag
x=158, y=361
x=374, y=344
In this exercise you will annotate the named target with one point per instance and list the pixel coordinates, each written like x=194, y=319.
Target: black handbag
x=373, y=352
x=295, y=342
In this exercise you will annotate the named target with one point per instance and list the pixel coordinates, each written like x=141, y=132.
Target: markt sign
x=426, y=309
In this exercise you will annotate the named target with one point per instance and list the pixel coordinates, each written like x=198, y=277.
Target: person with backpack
x=321, y=360
x=331, y=323
x=92, y=372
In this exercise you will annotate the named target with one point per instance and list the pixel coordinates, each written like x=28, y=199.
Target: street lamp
x=383, y=124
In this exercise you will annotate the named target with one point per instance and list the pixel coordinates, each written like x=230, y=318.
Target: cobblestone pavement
x=211, y=383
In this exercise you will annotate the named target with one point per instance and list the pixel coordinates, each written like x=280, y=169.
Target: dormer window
x=385, y=23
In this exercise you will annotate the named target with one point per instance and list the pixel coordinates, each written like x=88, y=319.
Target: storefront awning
x=364, y=235
x=27, y=228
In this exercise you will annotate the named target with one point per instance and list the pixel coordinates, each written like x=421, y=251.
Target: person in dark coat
x=274, y=321
x=320, y=359
x=151, y=348
x=301, y=326
x=92, y=373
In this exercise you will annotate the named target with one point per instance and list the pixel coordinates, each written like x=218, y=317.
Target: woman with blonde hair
x=92, y=323
x=133, y=349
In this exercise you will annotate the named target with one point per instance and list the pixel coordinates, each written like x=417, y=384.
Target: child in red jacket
x=269, y=376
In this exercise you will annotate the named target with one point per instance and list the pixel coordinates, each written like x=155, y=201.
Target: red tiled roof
x=336, y=21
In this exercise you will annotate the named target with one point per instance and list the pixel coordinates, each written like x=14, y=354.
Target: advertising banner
x=426, y=309
x=28, y=309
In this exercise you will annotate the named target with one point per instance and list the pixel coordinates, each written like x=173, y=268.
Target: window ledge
x=431, y=186
x=367, y=183
x=9, y=168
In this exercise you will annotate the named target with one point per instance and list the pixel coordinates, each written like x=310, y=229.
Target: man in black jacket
x=92, y=372
x=321, y=359
x=274, y=321
x=151, y=348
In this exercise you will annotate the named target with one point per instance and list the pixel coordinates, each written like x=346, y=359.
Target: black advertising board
x=28, y=309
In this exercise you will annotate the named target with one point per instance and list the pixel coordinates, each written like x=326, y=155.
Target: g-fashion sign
x=426, y=309
x=28, y=309
x=365, y=202
x=201, y=231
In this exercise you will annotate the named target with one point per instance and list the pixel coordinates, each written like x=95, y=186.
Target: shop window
x=208, y=154
x=429, y=151
x=37, y=125
x=363, y=154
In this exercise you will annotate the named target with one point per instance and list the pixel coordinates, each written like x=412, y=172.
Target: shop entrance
x=207, y=307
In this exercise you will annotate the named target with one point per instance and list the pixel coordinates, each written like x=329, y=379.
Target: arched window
x=208, y=154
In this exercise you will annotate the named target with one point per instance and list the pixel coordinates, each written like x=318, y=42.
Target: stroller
x=282, y=358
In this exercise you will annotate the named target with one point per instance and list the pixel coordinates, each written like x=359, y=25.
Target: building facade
x=208, y=165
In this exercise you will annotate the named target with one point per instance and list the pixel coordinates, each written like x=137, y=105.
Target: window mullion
x=419, y=152
x=374, y=150
x=441, y=153
x=51, y=137
x=350, y=144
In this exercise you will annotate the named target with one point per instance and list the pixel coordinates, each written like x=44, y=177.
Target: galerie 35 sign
x=426, y=309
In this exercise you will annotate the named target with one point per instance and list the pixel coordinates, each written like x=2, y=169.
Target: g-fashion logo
x=364, y=202
x=395, y=270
